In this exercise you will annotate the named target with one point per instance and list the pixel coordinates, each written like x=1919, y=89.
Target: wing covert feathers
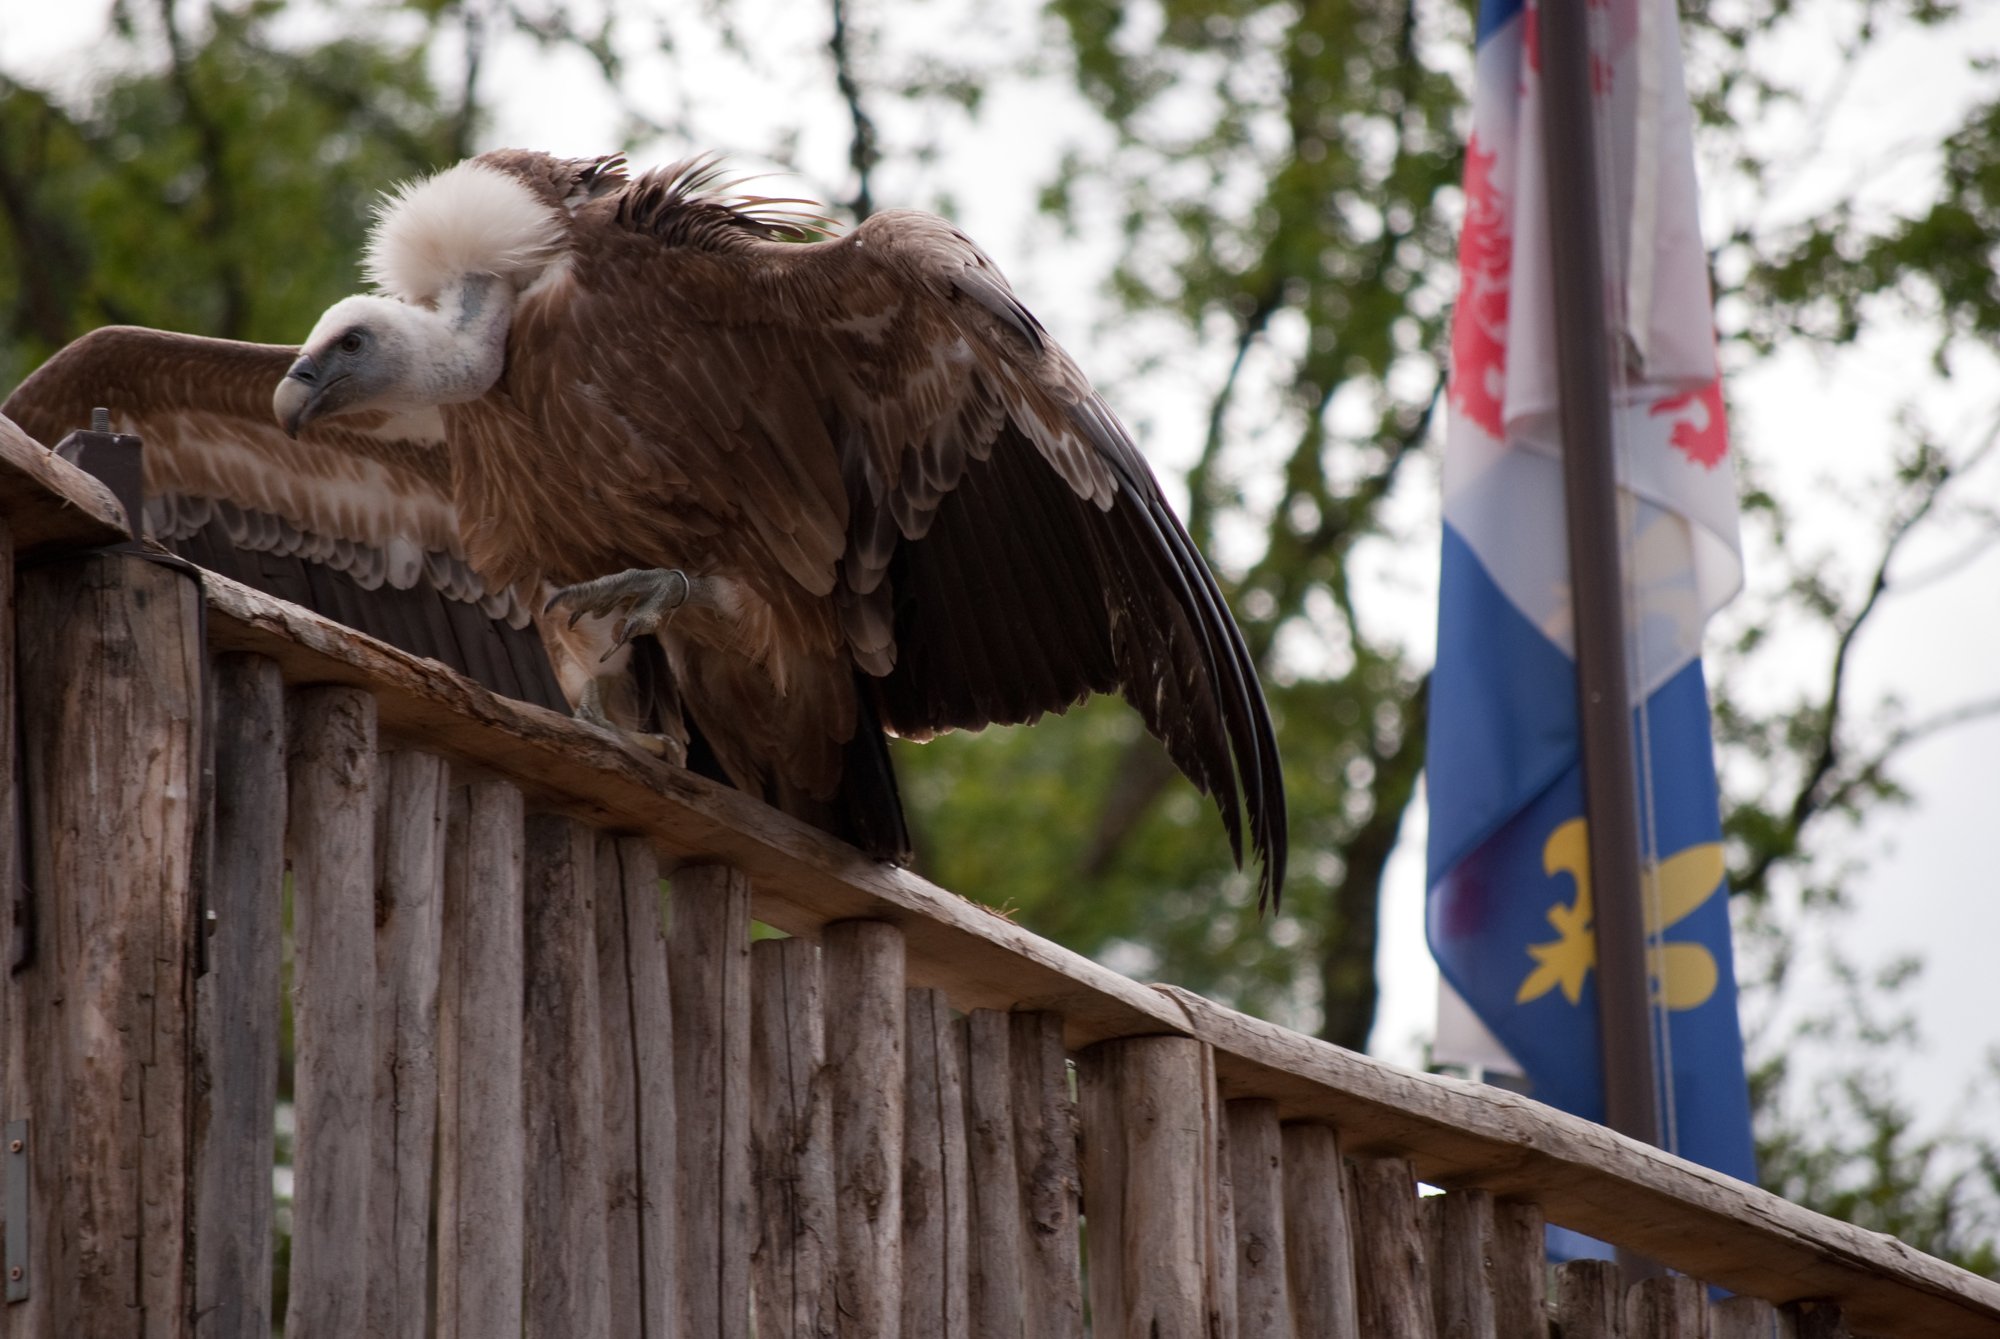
x=878, y=419
x=355, y=519
x=924, y=516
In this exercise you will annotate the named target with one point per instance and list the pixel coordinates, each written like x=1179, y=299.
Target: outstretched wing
x=353, y=519
x=900, y=434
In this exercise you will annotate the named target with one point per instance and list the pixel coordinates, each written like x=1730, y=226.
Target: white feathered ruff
x=467, y=219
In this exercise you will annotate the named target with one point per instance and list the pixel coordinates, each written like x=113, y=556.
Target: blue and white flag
x=1510, y=914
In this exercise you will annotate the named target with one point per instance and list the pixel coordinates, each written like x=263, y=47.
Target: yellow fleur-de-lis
x=1684, y=974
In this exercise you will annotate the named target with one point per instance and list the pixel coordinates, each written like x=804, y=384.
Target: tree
x=212, y=180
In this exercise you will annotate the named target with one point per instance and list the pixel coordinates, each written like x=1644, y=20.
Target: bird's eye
x=351, y=342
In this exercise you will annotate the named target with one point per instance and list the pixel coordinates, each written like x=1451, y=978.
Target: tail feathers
x=868, y=811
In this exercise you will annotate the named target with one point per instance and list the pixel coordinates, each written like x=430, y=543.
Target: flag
x=1509, y=909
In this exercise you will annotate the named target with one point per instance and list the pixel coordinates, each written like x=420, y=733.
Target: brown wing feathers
x=881, y=413
x=1023, y=597
x=355, y=524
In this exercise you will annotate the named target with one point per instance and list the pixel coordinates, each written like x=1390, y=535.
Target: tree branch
x=1822, y=785
x=862, y=150
x=218, y=190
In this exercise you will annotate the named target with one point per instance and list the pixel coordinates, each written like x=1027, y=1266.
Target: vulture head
x=448, y=255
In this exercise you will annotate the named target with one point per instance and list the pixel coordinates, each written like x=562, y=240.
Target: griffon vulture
x=851, y=485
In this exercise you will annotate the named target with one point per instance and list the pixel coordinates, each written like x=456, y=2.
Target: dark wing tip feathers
x=1247, y=774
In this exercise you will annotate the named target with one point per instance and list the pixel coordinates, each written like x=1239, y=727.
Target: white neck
x=464, y=342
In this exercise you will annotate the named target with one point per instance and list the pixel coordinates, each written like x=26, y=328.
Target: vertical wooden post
x=1144, y=1150
x=1257, y=1172
x=791, y=1142
x=1319, y=1233
x=1459, y=1233
x=568, y=1274
x=995, y=1187
x=236, y=1019
x=637, y=1038
x=1589, y=1300
x=1520, y=1271
x=1045, y=1134
x=110, y=710
x=480, y=1140
x=708, y=968
x=1390, y=1292
x=1666, y=1306
x=332, y=843
x=863, y=962
x=1813, y=1318
x=1218, y=1181
x=935, y=1194
x=409, y=921
x=1742, y=1318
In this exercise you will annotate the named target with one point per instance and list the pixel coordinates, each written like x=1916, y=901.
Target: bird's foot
x=641, y=599
x=590, y=710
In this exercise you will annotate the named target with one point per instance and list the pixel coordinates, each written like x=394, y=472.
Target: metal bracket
x=16, y=1154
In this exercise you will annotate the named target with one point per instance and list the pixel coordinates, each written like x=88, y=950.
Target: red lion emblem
x=1703, y=436
x=1479, y=324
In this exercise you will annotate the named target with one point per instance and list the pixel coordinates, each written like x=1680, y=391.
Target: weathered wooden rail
x=531, y=1099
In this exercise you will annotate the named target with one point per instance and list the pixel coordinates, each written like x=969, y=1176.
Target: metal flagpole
x=1590, y=501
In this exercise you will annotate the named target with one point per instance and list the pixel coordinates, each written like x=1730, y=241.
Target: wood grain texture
x=331, y=839
x=236, y=1027
x=1392, y=1290
x=804, y=879
x=481, y=1141
x=1143, y=1158
x=1814, y=1318
x=412, y=795
x=636, y=1037
x=1319, y=1246
x=935, y=1193
x=708, y=967
x=1045, y=1151
x=791, y=1142
x=1589, y=1300
x=109, y=680
x=1458, y=1231
x=1520, y=1271
x=1257, y=1175
x=1456, y=1133
x=1669, y=1306
x=568, y=1280
x=1742, y=1318
x=996, y=1214
x=862, y=963
x=49, y=503
x=1690, y=1218
x=1218, y=1209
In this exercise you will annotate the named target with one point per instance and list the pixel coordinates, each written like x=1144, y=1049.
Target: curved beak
x=296, y=401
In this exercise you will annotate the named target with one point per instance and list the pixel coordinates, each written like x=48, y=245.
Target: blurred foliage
x=1281, y=179
x=1849, y=1141
x=1284, y=180
x=212, y=180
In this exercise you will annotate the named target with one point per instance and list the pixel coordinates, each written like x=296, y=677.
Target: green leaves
x=227, y=193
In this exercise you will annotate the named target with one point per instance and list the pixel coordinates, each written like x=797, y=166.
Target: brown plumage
x=354, y=518
x=904, y=506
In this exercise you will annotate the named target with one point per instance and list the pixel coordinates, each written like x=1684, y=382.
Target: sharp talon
x=574, y=617
x=554, y=600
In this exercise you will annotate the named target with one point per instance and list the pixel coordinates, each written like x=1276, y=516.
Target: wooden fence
x=534, y=1096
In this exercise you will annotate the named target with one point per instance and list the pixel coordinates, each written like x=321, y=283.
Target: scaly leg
x=642, y=599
